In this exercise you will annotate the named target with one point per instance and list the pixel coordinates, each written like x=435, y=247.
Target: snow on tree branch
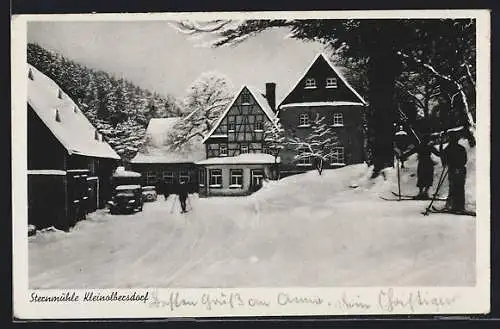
x=459, y=87
x=205, y=101
x=274, y=137
x=318, y=146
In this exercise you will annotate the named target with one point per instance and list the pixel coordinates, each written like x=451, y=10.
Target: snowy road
x=281, y=236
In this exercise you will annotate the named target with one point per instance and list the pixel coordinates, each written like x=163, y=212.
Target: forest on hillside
x=119, y=109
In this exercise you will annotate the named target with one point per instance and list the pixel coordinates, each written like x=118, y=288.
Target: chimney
x=30, y=74
x=58, y=116
x=271, y=95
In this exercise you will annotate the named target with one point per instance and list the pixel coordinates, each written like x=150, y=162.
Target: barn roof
x=64, y=119
x=156, y=148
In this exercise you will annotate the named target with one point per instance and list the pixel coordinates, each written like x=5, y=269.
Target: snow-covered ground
x=303, y=230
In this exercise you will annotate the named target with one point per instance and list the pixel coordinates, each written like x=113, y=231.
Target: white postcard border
x=334, y=301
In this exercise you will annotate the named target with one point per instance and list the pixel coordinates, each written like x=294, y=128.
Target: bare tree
x=318, y=146
x=206, y=98
x=274, y=137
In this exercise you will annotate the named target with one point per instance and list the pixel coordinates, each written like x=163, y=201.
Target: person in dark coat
x=183, y=195
x=455, y=157
x=425, y=167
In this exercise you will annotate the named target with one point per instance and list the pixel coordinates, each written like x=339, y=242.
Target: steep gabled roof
x=157, y=150
x=63, y=117
x=337, y=72
x=259, y=98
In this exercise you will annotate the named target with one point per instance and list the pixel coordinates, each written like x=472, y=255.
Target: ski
x=410, y=197
x=406, y=198
x=443, y=211
x=395, y=199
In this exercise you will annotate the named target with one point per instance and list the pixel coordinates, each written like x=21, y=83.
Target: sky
x=154, y=55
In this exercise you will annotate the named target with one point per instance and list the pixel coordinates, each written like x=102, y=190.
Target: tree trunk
x=319, y=166
x=382, y=71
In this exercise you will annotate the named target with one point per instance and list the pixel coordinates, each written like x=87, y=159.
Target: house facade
x=323, y=91
x=66, y=156
x=163, y=167
x=236, y=156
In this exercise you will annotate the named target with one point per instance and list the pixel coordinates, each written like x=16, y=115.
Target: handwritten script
x=385, y=301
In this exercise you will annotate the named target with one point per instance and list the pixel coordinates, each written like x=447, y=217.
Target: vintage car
x=126, y=198
x=149, y=193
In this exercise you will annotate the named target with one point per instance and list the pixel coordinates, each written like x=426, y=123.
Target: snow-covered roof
x=259, y=98
x=46, y=172
x=246, y=158
x=126, y=187
x=313, y=104
x=125, y=173
x=337, y=71
x=156, y=148
x=63, y=117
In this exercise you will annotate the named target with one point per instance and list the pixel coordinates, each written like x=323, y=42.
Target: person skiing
x=183, y=195
x=400, y=144
x=425, y=167
x=455, y=157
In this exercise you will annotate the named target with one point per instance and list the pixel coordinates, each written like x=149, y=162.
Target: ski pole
x=440, y=182
x=399, y=181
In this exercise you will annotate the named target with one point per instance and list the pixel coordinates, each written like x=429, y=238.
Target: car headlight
x=131, y=201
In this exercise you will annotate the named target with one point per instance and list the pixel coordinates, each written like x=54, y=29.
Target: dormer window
x=310, y=83
x=304, y=120
x=245, y=98
x=331, y=82
x=338, y=119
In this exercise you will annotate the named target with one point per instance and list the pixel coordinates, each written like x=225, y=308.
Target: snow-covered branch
x=448, y=79
x=318, y=146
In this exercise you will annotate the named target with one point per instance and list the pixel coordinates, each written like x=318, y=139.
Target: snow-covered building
x=323, y=90
x=69, y=163
x=236, y=156
x=163, y=167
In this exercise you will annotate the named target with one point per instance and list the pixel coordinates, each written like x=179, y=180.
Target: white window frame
x=338, y=119
x=212, y=174
x=184, y=175
x=310, y=83
x=304, y=162
x=151, y=175
x=244, y=146
x=338, y=159
x=221, y=148
x=331, y=82
x=235, y=179
x=304, y=120
x=168, y=175
x=253, y=176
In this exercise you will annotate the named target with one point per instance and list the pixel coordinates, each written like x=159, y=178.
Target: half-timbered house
x=236, y=159
x=69, y=162
x=163, y=167
x=323, y=90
